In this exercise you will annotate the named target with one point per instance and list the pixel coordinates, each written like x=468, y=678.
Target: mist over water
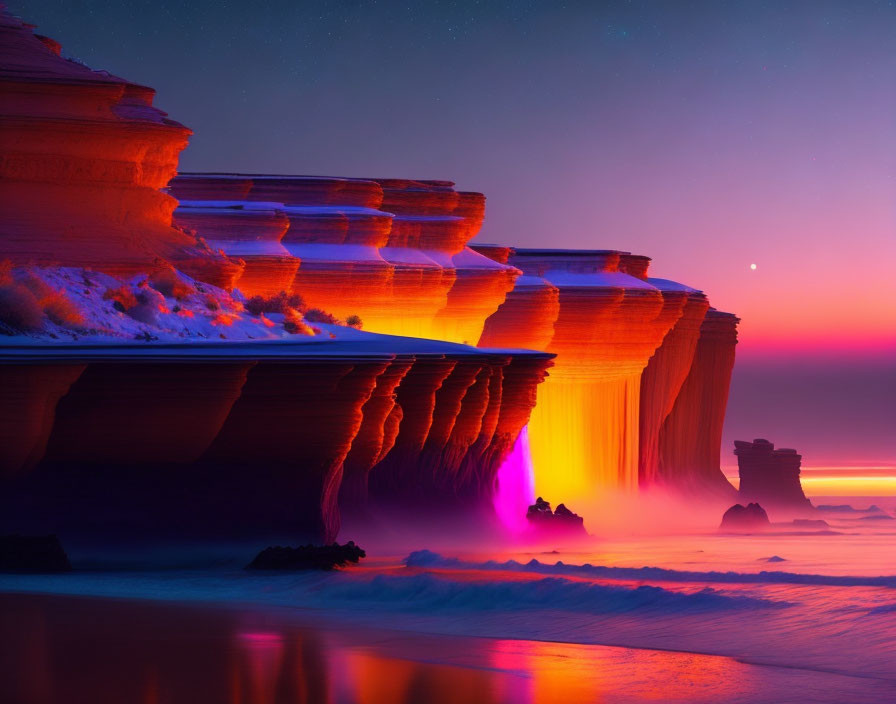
x=811, y=606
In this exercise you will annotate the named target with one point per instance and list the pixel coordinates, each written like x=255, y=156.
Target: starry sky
x=708, y=135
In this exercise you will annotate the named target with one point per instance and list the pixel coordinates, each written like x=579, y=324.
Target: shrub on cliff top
x=5, y=272
x=354, y=321
x=149, y=304
x=62, y=311
x=42, y=290
x=295, y=325
x=19, y=309
x=167, y=282
x=278, y=303
x=316, y=315
x=122, y=297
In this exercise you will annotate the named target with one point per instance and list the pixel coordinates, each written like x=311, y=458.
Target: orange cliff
x=124, y=401
x=625, y=344
x=447, y=288
x=584, y=430
x=83, y=155
x=335, y=228
x=526, y=317
x=124, y=436
x=243, y=230
x=282, y=433
x=691, y=436
x=665, y=374
x=392, y=251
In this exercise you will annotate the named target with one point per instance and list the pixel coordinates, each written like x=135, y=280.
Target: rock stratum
x=393, y=252
x=126, y=436
x=173, y=336
x=637, y=357
x=143, y=392
x=638, y=392
x=83, y=156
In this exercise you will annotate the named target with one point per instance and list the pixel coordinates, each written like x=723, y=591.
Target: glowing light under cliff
x=516, y=485
x=584, y=437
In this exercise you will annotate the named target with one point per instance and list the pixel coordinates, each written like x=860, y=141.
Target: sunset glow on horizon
x=842, y=480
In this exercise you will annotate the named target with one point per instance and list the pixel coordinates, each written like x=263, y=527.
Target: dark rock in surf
x=307, y=557
x=562, y=520
x=32, y=553
x=749, y=517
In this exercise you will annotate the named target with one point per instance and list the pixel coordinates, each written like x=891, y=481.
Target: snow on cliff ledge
x=68, y=304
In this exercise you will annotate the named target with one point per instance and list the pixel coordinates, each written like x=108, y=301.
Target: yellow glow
x=410, y=305
x=584, y=436
x=844, y=480
x=473, y=298
x=857, y=485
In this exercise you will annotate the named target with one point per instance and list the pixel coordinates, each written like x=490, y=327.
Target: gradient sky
x=708, y=135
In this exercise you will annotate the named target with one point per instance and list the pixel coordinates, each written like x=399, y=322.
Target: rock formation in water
x=32, y=553
x=555, y=523
x=307, y=557
x=83, y=155
x=749, y=517
x=770, y=476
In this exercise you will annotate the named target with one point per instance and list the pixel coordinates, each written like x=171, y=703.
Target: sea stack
x=769, y=476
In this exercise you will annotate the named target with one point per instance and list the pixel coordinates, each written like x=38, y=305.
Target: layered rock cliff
x=127, y=436
x=617, y=334
x=467, y=414
x=250, y=231
x=138, y=400
x=304, y=416
x=390, y=251
x=83, y=155
x=607, y=325
x=526, y=317
x=662, y=379
x=691, y=436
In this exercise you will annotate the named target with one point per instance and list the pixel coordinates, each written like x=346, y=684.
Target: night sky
x=708, y=135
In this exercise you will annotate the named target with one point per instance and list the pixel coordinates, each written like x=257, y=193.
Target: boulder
x=749, y=517
x=32, y=553
x=562, y=520
x=307, y=557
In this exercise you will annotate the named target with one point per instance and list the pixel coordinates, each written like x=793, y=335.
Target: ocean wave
x=419, y=594
x=429, y=559
x=425, y=592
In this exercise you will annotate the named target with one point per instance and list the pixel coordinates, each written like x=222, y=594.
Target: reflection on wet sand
x=74, y=650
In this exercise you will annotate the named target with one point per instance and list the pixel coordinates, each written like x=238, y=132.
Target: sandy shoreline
x=90, y=649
